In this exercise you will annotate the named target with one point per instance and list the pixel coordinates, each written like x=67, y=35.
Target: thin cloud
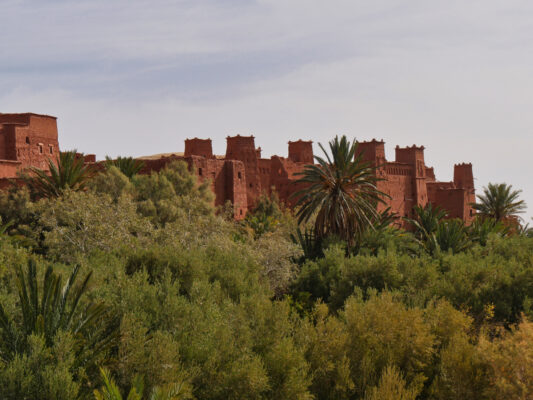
x=137, y=77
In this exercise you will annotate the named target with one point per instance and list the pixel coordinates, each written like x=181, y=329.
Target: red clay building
x=409, y=182
x=241, y=176
x=26, y=140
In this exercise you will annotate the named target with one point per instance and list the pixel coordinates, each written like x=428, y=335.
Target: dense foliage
x=197, y=306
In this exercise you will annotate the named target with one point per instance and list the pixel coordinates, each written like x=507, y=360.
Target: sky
x=137, y=77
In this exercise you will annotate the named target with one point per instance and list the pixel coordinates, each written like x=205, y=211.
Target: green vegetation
x=68, y=172
x=340, y=194
x=179, y=302
x=499, y=201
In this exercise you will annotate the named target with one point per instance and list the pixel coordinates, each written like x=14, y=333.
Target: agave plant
x=127, y=165
x=500, y=202
x=309, y=243
x=69, y=172
x=55, y=308
x=340, y=191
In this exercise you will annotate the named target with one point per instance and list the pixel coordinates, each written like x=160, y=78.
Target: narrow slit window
x=51, y=149
x=40, y=149
x=27, y=140
x=200, y=171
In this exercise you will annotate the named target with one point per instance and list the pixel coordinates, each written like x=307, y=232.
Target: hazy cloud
x=138, y=77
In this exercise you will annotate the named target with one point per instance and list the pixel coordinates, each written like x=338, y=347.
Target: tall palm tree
x=341, y=190
x=500, y=202
x=68, y=172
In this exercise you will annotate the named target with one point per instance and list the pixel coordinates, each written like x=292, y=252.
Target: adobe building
x=242, y=174
x=26, y=140
x=409, y=182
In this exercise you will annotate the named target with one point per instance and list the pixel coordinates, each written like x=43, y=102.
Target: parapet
x=198, y=147
x=301, y=151
x=373, y=151
x=239, y=144
x=410, y=154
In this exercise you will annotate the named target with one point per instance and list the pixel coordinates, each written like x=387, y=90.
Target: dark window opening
x=51, y=149
x=471, y=212
x=251, y=185
x=41, y=149
x=27, y=139
x=240, y=212
x=239, y=175
x=200, y=171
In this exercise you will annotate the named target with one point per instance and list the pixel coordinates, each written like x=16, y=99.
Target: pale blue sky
x=137, y=77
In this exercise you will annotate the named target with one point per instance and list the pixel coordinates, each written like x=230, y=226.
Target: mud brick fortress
x=242, y=175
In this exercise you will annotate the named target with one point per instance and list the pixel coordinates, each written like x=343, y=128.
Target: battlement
x=301, y=151
x=410, y=155
x=198, y=147
x=372, y=151
x=241, y=176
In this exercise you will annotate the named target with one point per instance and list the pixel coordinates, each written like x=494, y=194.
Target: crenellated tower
x=463, y=178
x=198, y=147
x=242, y=148
x=301, y=151
x=414, y=156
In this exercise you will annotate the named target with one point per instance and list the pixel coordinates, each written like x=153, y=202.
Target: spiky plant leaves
x=426, y=220
x=500, y=202
x=110, y=389
x=56, y=309
x=481, y=228
x=310, y=244
x=340, y=191
x=452, y=236
x=127, y=165
x=68, y=172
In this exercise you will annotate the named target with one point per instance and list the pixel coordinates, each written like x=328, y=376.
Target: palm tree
x=341, y=191
x=110, y=390
x=426, y=220
x=452, y=235
x=127, y=165
x=500, y=202
x=68, y=172
x=55, y=309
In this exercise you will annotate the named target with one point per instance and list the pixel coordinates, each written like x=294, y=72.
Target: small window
x=239, y=175
x=51, y=149
x=40, y=149
x=471, y=212
x=27, y=139
x=200, y=171
x=251, y=185
x=240, y=212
